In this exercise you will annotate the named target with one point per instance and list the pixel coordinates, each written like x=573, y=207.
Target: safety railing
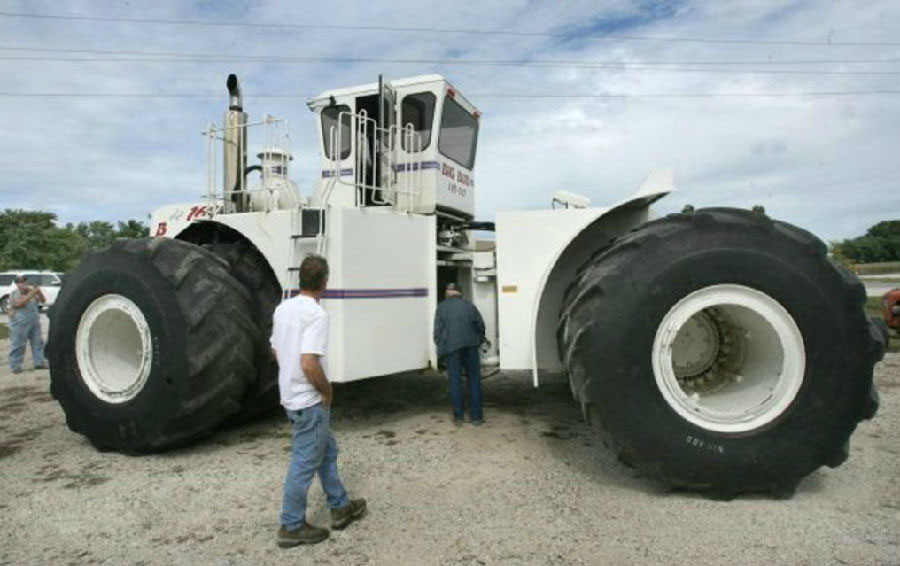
x=384, y=161
x=273, y=178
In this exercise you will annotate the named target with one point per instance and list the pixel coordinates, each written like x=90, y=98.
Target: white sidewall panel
x=381, y=292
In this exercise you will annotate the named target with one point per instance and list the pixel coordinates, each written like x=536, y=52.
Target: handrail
x=261, y=198
x=393, y=147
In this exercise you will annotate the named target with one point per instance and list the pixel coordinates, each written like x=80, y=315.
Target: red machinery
x=891, y=302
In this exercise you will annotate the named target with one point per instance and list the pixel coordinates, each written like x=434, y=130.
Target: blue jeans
x=469, y=359
x=313, y=450
x=23, y=330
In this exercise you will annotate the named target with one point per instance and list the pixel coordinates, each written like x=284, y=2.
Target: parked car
x=49, y=281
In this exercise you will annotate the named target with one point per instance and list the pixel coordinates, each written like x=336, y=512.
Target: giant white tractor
x=716, y=349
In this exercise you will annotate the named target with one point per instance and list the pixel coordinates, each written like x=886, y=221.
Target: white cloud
x=827, y=163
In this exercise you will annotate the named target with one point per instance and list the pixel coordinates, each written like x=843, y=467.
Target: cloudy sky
x=686, y=85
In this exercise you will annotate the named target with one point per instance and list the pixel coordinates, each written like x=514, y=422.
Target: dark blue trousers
x=469, y=359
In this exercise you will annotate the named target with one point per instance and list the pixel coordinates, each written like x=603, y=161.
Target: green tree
x=881, y=243
x=887, y=234
x=97, y=234
x=887, y=229
x=31, y=239
x=132, y=229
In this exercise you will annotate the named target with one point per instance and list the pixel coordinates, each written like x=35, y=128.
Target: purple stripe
x=403, y=167
x=416, y=166
x=328, y=173
x=366, y=293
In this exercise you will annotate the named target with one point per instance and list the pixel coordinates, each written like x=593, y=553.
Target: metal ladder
x=293, y=265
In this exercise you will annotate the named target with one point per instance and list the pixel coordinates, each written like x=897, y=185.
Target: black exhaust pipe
x=234, y=136
x=235, y=97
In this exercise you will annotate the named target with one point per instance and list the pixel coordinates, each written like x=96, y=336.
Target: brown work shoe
x=307, y=534
x=345, y=515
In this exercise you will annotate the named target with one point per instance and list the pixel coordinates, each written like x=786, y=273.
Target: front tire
x=150, y=346
x=720, y=351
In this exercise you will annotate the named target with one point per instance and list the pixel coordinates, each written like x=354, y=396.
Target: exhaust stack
x=235, y=144
x=236, y=99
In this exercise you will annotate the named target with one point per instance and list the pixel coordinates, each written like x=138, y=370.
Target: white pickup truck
x=48, y=281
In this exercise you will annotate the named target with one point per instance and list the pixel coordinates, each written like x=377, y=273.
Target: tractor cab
x=407, y=144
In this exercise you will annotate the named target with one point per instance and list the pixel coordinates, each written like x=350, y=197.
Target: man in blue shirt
x=458, y=333
x=25, y=325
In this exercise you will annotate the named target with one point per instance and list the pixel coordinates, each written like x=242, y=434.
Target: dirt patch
x=531, y=486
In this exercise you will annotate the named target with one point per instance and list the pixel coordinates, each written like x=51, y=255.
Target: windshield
x=49, y=280
x=459, y=134
x=6, y=278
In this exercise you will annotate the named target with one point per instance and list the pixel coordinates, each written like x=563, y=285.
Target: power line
x=620, y=67
x=507, y=32
x=691, y=95
x=596, y=96
x=610, y=67
x=561, y=62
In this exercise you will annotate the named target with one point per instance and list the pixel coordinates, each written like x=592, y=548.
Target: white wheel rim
x=728, y=358
x=113, y=349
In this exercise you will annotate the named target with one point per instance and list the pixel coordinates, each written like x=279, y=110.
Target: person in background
x=25, y=325
x=458, y=333
x=299, y=342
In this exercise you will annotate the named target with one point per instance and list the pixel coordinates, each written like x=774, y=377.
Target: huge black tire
x=759, y=408
x=250, y=268
x=150, y=345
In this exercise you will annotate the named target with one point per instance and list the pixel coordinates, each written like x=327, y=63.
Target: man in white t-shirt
x=300, y=343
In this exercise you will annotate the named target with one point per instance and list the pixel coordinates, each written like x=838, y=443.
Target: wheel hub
x=696, y=347
x=113, y=347
x=728, y=358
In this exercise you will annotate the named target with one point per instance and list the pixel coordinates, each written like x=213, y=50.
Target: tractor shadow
x=546, y=421
x=391, y=408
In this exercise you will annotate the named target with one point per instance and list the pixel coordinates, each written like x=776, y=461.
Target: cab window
x=417, y=110
x=330, y=117
x=459, y=134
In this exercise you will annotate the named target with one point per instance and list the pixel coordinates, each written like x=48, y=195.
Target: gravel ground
x=531, y=487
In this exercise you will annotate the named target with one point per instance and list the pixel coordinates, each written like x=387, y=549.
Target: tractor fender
x=263, y=230
x=538, y=255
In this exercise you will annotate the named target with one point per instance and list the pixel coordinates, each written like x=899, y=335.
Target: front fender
x=538, y=253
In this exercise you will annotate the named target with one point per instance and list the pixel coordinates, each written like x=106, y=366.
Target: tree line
x=881, y=243
x=31, y=239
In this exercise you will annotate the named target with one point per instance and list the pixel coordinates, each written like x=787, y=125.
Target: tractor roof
x=372, y=88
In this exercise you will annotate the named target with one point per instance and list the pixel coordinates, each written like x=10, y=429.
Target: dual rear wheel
x=155, y=342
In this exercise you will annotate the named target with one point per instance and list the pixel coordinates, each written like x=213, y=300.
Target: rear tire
x=721, y=352
x=150, y=346
x=250, y=268
x=4, y=304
